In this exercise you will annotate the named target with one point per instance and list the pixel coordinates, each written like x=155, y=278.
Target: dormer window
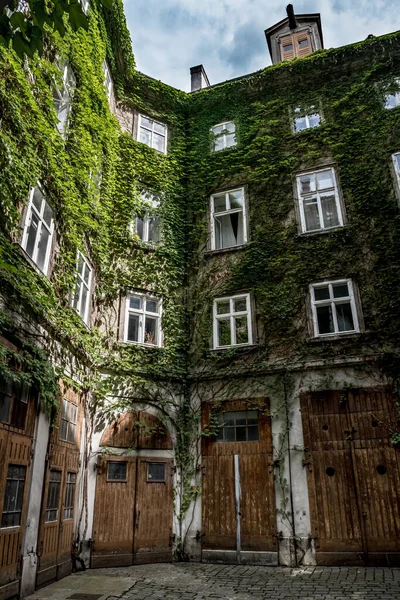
x=223, y=135
x=296, y=45
x=306, y=119
x=152, y=133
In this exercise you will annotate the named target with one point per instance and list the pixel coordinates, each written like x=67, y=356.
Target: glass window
x=156, y=472
x=69, y=416
x=306, y=119
x=392, y=100
x=62, y=96
x=396, y=164
x=232, y=321
x=224, y=135
x=69, y=496
x=53, y=496
x=108, y=84
x=153, y=134
x=143, y=320
x=238, y=426
x=81, y=296
x=228, y=219
x=147, y=225
x=333, y=307
x=20, y=404
x=116, y=471
x=319, y=200
x=13, y=496
x=38, y=231
x=6, y=394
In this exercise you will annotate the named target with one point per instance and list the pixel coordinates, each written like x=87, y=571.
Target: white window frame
x=301, y=197
x=65, y=95
x=298, y=113
x=85, y=5
x=214, y=214
x=396, y=166
x=232, y=315
x=223, y=135
x=108, y=84
x=151, y=203
x=142, y=315
x=88, y=286
x=152, y=131
x=395, y=95
x=333, y=302
x=32, y=209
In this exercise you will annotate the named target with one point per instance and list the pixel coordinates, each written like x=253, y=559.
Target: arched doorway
x=134, y=493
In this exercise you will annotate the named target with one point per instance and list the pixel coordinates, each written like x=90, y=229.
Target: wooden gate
x=17, y=423
x=134, y=496
x=58, y=504
x=238, y=498
x=353, y=476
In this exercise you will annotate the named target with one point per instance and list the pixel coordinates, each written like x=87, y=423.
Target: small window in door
x=13, y=496
x=238, y=426
x=53, y=496
x=155, y=471
x=116, y=471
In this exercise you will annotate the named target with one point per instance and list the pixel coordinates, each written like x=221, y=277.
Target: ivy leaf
x=40, y=17
x=107, y=3
x=18, y=20
x=37, y=39
x=21, y=46
x=58, y=23
x=77, y=17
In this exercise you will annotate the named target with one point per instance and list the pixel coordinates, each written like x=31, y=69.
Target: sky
x=227, y=36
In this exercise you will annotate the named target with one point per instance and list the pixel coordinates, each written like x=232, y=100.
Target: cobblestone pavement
x=193, y=581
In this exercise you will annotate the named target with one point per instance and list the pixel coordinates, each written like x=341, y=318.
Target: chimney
x=291, y=17
x=199, y=79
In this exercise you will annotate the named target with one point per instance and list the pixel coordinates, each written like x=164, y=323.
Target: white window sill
x=140, y=345
x=224, y=250
x=334, y=337
x=224, y=149
x=321, y=231
x=239, y=347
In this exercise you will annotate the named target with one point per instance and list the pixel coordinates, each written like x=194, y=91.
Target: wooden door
x=353, y=476
x=17, y=414
x=58, y=502
x=238, y=498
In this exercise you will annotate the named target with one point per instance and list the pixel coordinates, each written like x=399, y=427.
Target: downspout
x=290, y=468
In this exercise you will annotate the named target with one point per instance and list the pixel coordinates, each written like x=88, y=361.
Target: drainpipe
x=290, y=468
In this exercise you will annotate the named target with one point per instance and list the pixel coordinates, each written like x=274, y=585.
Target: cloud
x=227, y=36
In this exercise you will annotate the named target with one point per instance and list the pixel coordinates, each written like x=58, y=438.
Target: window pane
x=5, y=399
x=229, y=419
x=159, y=142
x=145, y=122
x=252, y=433
x=303, y=43
x=344, y=317
x=340, y=290
x=228, y=230
x=329, y=211
x=48, y=214
x=84, y=300
x=219, y=143
x=321, y=293
x=133, y=328
x=37, y=199
x=116, y=471
x=390, y=101
x=397, y=161
x=154, y=229
x=242, y=336
x=152, y=306
x=324, y=180
x=307, y=184
x=156, y=471
x=311, y=215
x=314, y=120
x=219, y=203
x=32, y=233
x=223, y=307
x=13, y=496
x=159, y=128
x=325, y=319
x=42, y=248
x=287, y=47
x=71, y=432
x=240, y=417
x=140, y=227
x=224, y=332
x=217, y=129
x=236, y=199
x=86, y=273
x=135, y=302
x=300, y=124
x=230, y=140
x=240, y=434
x=145, y=137
x=239, y=304
x=229, y=434
x=150, y=331
x=252, y=417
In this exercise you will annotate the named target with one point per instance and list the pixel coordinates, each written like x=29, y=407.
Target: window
x=319, y=200
x=239, y=426
x=232, y=321
x=156, y=472
x=69, y=496
x=224, y=135
x=333, y=308
x=296, y=45
x=228, y=219
x=13, y=496
x=81, y=296
x=108, y=84
x=147, y=225
x=393, y=99
x=85, y=6
x=116, y=471
x=62, y=96
x=143, y=320
x=69, y=414
x=39, y=229
x=153, y=134
x=396, y=164
x=53, y=496
x=306, y=119
x=14, y=398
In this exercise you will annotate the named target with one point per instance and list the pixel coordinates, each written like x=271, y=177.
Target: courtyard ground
x=194, y=581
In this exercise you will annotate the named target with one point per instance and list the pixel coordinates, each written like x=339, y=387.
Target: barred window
x=238, y=426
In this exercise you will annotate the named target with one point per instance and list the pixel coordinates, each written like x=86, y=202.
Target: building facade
x=200, y=307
